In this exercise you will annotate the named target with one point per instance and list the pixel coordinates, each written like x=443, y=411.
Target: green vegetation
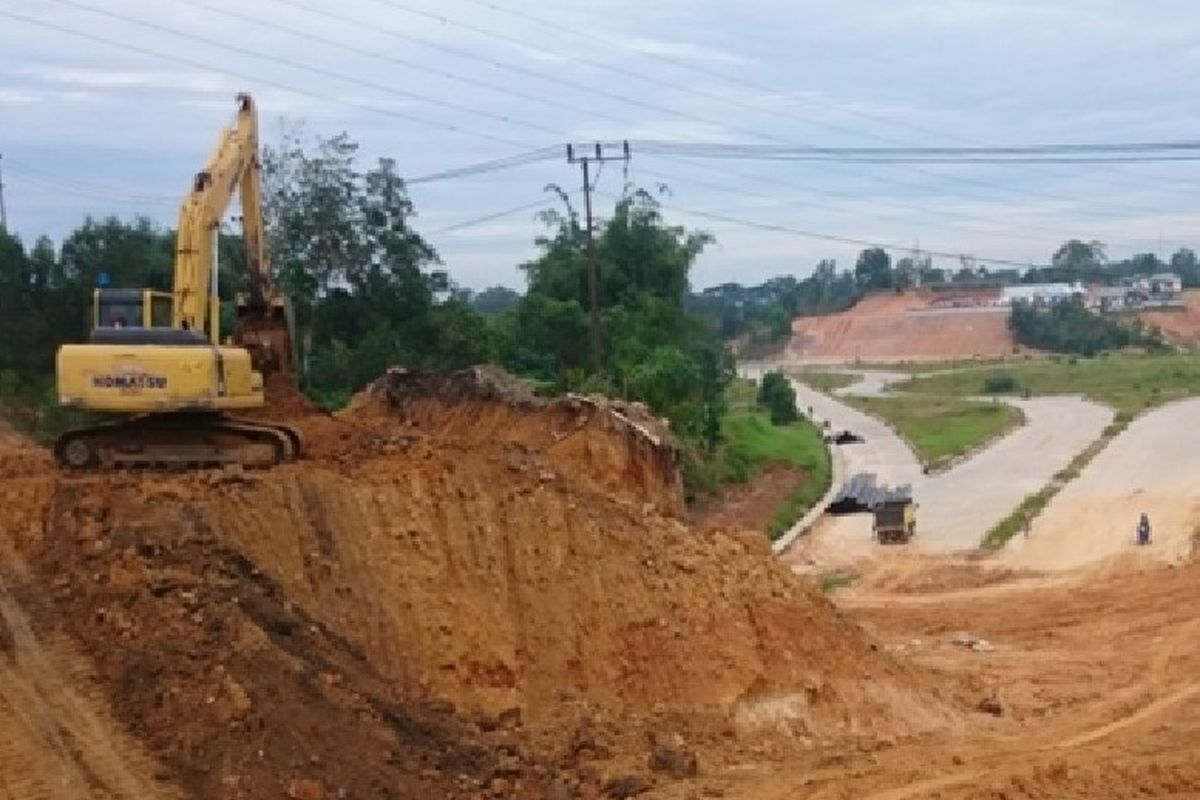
x=830, y=582
x=1000, y=383
x=776, y=395
x=761, y=316
x=750, y=442
x=1015, y=522
x=940, y=429
x=1128, y=383
x=1069, y=327
x=826, y=381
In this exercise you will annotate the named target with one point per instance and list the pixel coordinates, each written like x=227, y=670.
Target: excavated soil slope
x=889, y=327
x=1179, y=326
x=462, y=590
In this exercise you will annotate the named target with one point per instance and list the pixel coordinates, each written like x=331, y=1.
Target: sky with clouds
x=109, y=106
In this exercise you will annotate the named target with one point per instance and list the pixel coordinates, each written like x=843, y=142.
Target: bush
x=777, y=397
x=1001, y=383
x=1069, y=327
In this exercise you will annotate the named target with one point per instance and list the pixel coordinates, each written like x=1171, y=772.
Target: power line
x=242, y=76
x=491, y=165
x=731, y=78
x=692, y=90
x=479, y=30
x=267, y=58
x=249, y=53
x=829, y=237
x=1104, y=149
x=470, y=223
x=389, y=57
x=98, y=188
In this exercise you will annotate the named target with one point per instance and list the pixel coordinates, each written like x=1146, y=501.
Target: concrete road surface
x=957, y=507
x=1154, y=467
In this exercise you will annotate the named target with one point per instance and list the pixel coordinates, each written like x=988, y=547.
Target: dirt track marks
x=55, y=743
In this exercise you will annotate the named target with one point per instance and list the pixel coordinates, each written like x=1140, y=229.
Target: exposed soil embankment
x=889, y=328
x=462, y=590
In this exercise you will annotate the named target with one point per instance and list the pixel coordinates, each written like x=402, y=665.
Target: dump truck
x=895, y=520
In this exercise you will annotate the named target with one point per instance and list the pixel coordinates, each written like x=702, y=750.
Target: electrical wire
x=734, y=79
x=471, y=223
x=493, y=165
x=243, y=76
x=301, y=65
x=693, y=90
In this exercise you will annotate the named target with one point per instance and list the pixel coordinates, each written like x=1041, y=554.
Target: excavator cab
x=130, y=308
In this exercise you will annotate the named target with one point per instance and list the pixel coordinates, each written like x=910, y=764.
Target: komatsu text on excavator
x=155, y=359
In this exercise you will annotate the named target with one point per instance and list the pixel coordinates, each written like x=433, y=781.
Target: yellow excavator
x=155, y=361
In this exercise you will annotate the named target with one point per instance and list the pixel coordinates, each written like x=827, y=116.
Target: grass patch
x=826, y=381
x=1128, y=383
x=927, y=367
x=750, y=443
x=830, y=582
x=1015, y=522
x=940, y=429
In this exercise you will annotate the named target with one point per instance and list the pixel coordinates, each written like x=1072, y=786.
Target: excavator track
x=178, y=441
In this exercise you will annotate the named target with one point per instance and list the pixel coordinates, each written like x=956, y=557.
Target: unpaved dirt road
x=1153, y=467
x=1096, y=678
x=959, y=506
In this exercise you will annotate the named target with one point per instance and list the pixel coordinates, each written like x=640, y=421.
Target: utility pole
x=597, y=154
x=3, y=215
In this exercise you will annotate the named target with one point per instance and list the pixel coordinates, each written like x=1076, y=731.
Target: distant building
x=1041, y=293
x=1138, y=293
x=1165, y=285
x=1112, y=298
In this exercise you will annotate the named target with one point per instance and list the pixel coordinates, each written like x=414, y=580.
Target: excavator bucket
x=265, y=330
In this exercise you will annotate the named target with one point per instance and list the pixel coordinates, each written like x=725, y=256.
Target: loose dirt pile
x=463, y=591
x=887, y=328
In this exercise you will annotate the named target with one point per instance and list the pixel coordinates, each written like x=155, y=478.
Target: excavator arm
x=263, y=315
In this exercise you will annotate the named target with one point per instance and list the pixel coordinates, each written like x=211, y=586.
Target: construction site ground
x=893, y=327
x=465, y=591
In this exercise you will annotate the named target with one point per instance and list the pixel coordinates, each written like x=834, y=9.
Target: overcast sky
x=117, y=123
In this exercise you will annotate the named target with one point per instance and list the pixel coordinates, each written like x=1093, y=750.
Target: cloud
x=100, y=78
x=686, y=51
x=16, y=97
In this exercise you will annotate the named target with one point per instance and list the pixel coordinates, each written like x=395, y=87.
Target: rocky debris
x=973, y=643
x=307, y=789
x=992, y=705
x=621, y=787
x=670, y=755
x=6, y=638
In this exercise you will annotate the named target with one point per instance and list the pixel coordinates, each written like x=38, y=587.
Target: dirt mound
x=618, y=448
x=900, y=327
x=1179, y=326
x=462, y=591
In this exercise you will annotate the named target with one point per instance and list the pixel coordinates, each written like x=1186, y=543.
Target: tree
x=1185, y=264
x=1077, y=257
x=776, y=395
x=495, y=300
x=873, y=269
